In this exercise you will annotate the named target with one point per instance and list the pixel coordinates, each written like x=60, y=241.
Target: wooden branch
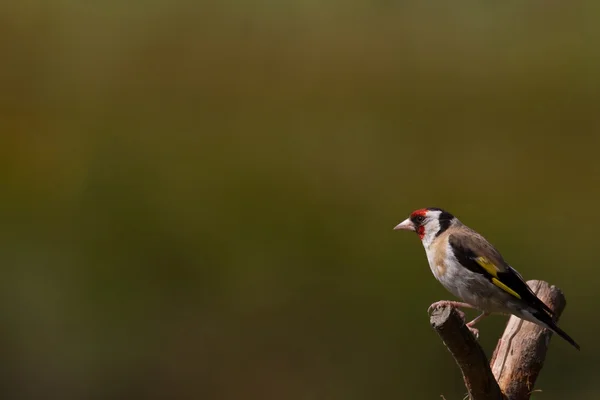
x=520, y=353
x=467, y=352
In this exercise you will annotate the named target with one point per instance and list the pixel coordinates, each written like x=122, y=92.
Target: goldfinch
x=470, y=268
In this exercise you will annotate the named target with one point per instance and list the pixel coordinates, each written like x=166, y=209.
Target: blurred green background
x=198, y=198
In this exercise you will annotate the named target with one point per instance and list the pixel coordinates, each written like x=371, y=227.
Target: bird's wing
x=475, y=253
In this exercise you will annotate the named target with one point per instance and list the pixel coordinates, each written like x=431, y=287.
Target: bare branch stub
x=468, y=354
x=520, y=353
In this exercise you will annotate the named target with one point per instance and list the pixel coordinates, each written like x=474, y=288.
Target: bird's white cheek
x=431, y=229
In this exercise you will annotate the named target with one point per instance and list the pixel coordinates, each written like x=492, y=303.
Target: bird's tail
x=549, y=323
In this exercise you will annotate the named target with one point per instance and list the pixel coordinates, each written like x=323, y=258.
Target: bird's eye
x=420, y=218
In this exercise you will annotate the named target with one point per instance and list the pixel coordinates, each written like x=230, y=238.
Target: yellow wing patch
x=491, y=269
x=502, y=286
x=487, y=265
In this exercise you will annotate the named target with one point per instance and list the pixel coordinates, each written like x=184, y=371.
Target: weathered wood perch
x=468, y=354
x=519, y=355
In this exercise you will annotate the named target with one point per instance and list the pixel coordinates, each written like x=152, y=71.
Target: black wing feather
x=466, y=255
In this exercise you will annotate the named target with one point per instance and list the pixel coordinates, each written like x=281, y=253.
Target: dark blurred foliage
x=198, y=198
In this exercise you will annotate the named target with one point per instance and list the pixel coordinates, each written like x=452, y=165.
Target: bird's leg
x=470, y=325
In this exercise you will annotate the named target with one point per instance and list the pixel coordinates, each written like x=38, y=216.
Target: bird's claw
x=474, y=331
x=445, y=303
x=437, y=304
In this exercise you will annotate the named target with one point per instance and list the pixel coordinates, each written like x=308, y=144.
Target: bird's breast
x=437, y=261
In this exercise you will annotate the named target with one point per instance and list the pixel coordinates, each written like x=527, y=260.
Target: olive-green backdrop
x=197, y=198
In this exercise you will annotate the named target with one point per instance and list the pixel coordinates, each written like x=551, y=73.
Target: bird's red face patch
x=417, y=218
x=422, y=212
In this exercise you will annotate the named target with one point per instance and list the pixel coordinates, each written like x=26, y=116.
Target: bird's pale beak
x=405, y=225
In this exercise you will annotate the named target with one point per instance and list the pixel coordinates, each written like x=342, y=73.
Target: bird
x=471, y=268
